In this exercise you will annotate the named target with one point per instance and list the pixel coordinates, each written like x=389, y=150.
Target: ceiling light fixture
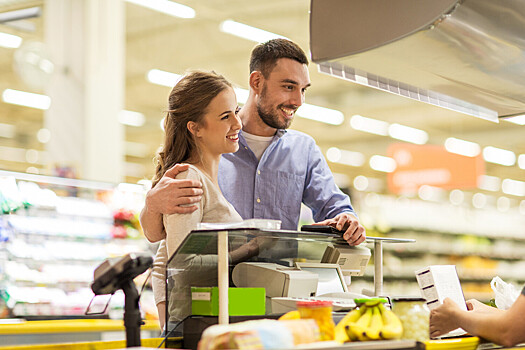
x=27, y=99
x=7, y=130
x=131, y=118
x=499, y=156
x=513, y=187
x=408, y=134
x=242, y=95
x=519, y=119
x=168, y=7
x=163, y=78
x=489, y=183
x=345, y=157
x=247, y=32
x=373, y=126
x=10, y=41
x=462, y=147
x=382, y=163
x=321, y=114
x=521, y=161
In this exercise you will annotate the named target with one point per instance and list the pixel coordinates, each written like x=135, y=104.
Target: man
x=274, y=169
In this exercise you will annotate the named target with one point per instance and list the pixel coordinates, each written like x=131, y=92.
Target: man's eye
x=237, y=110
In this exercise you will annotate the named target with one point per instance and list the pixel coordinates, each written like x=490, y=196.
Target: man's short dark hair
x=265, y=55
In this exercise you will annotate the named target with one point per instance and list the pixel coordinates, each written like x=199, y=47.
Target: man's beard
x=270, y=117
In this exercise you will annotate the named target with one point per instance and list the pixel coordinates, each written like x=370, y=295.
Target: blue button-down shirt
x=291, y=170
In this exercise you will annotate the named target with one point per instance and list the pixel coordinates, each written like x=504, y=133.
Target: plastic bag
x=505, y=293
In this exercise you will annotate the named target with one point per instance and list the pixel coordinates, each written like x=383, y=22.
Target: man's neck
x=252, y=122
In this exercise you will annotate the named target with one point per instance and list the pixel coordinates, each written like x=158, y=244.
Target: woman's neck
x=208, y=164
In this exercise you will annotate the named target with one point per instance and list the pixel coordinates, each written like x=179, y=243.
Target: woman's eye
x=225, y=117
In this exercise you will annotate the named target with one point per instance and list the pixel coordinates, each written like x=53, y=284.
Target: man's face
x=283, y=93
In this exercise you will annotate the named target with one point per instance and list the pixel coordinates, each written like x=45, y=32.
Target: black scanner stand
x=118, y=273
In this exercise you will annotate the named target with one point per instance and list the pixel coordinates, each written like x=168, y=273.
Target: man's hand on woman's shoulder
x=174, y=196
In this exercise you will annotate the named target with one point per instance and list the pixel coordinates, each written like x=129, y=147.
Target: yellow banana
x=376, y=323
x=340, y=334
x=356, y=330
x=392, y=327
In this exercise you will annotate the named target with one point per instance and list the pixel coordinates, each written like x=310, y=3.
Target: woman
x=201, y=124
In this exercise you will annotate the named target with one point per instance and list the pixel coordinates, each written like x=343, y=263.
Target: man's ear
x=256, y=81
x=193, y=128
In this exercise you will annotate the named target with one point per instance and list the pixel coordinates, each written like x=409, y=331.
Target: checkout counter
x=287, y=265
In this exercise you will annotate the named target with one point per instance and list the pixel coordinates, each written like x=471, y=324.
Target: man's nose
x=297, y=98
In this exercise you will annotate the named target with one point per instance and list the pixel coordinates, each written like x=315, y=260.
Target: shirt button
x=258, y=172
x=245, y=147
x=258, y=200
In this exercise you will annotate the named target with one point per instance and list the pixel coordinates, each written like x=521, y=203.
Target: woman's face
x=219, y=131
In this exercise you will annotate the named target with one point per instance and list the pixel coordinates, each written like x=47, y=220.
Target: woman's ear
x=256, y=80
x=193, y=128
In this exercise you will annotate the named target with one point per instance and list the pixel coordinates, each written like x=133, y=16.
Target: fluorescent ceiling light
x=479, y=200
x=521, y=161
x=242, y=95
x=26, y=99
x=361, y=183
x=456, y=197
x=131, y=118
x=489, y=183
x=165, y=6
x=513, y=187
x=7, y=130
x=381, y=163
x=345, y=157
x=370, y=125
x=462, y=147
x=499, y=156
x=430, y=193
x=503, y=204
x=160, y=77
x=247, y=32
x=43, y=135
x=321, y=114
x=519, y=119
x=408, y=134
x=10, y=41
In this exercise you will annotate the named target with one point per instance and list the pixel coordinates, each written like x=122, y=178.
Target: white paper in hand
x=438, y=282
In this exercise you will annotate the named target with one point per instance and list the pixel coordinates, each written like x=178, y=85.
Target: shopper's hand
x=174, y=196
x=354, y=233
x=444, y=319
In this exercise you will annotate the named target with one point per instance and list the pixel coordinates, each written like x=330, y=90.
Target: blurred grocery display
x=51, y=244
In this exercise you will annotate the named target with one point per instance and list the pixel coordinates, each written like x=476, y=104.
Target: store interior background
x=480, y=229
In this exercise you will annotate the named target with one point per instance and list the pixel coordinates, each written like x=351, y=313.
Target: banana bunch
x=371, y=321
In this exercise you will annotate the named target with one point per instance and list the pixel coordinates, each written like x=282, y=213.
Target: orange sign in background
x=432, y=165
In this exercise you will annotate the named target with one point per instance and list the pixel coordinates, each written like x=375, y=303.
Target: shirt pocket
x=289, y=188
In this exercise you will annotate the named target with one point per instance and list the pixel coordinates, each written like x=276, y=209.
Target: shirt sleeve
x=321, y=194
x=158, y=273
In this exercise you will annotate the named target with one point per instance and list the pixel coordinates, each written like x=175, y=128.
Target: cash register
x=325, y=280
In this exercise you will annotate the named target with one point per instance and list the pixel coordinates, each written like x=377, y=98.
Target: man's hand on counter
x=354, y=233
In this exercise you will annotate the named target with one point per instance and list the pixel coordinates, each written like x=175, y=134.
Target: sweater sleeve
x=158, y=273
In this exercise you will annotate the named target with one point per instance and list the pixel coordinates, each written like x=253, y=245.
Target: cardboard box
x=241, y=301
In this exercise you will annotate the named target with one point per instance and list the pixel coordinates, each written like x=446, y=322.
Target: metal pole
x=222, y=253
x=378, y=267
